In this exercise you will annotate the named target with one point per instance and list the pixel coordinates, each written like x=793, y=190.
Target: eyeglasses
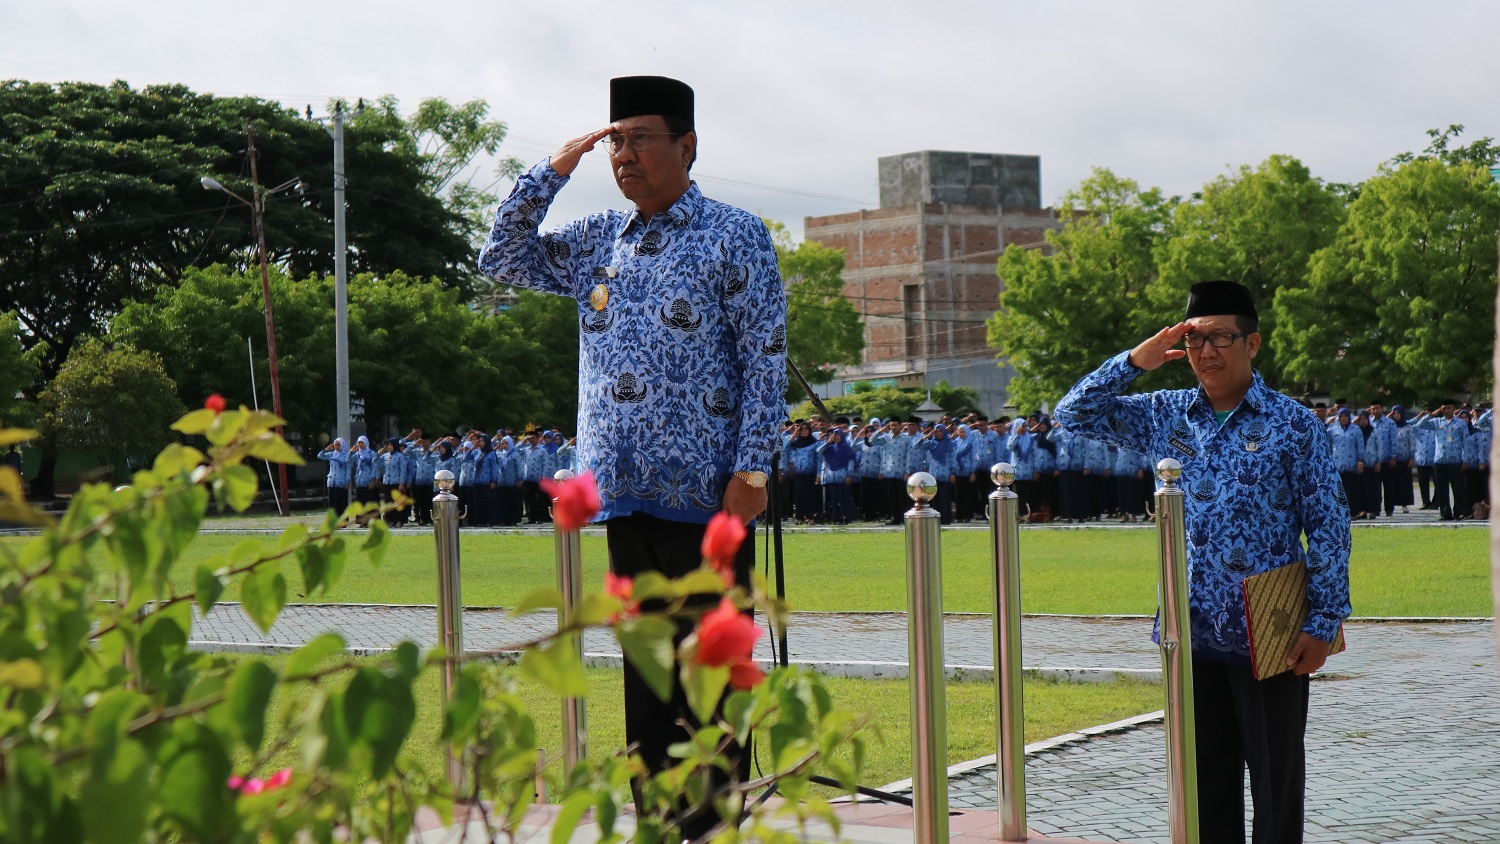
x=637, y=141
x=1221, y=340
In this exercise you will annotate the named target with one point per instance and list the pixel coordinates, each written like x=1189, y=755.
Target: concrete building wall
x=921, y=268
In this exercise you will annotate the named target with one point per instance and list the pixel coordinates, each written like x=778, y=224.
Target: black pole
x=776, y=550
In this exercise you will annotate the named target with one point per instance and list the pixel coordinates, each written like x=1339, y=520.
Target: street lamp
x=257, y=205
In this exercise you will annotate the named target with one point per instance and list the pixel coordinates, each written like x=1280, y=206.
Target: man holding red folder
x=1260, y=479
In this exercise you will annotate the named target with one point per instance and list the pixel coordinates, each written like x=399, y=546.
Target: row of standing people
x=849, y=471
x=1376, y=454
x=497, y=477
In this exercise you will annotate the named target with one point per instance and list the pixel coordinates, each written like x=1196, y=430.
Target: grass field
x=1052, y=709
x=1393, y=572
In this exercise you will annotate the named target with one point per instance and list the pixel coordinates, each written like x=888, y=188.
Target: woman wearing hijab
x=366, y=473
x=338, y=475
x=802, y=466
x=837, y=477
x=1398, y=492
x=965, y=467
x=1044, y=465
x=1369, y=479
x=940, y=462
x=467, y=455
x=508, y=482
x=1349, y=459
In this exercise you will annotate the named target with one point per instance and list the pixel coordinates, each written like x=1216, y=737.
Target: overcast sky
x=796, y=100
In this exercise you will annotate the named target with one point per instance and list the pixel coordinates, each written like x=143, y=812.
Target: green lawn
x=1052, y=709
x=1394, y=572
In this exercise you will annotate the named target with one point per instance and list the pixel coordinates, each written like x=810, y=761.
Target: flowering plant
x=112, y=730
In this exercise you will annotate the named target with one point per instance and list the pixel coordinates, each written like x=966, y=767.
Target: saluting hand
x=566, y=159
x=1157, y=350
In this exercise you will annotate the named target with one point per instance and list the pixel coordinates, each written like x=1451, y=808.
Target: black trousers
x=1424, y=485
x=1448, y=478
x=1397, y=485
x=807, y=497
x=896, y=500
x=1354, y=491
x=1476, y=486
x=871, y=499
x=641, y=543
x=536, y=503
x=1100, y=489
x=1373, y=487
x=509, y=499
x=338, y=499
x=1072, y=495
x=1243, y=723
x=421, y=507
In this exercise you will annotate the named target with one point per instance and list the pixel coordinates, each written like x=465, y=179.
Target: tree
x=1258, y=227
x=1398, y=306
x=416, y=352
x=16, y=373
x=111, y=402
x=1066, y=309
x=823, y=329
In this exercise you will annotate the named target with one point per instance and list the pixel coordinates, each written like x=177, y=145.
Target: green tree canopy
x=1258, y=227
x=823, y=329
x=16, y=374
x=1400, y=305
x=100, y=200
x=1066, y=309
x=110, y=402
x=417, y=353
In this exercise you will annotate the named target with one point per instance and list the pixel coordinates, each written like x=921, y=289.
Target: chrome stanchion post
x=1010, y=725
x=450, y=608
x=570, y=584
x=929, y=701
x=1176, y=657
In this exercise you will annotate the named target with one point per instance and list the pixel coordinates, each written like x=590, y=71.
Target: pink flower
x=259, y=786
x=721, y=542
x=574, y=502
x=621, y=588
x=745, y=675
x=215, y=403
x=725, y=636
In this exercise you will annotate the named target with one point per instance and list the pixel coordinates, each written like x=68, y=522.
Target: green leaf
x=647, y=643
x=116, y=798
x=377, y=543
x=195, y=423
x=16, y=436
x=262, y=595
x=408, y=659
x=700, y=580
x=163, y=643
x=249, y=696
x=651, y=585
x=22, y=674
x=704, y=686
x=314, y=567
x=546, y=598
x=605, y=813
x=239, y=485
x=595, y=609
x=224, y=426
x=208, y=587
x=194, y=768
x=568, y=817
x=461, y=713
x=306, y=659
x=378, y=712
x=334, y=555
x=274, y=449
x=557, y=666
x=176, y=459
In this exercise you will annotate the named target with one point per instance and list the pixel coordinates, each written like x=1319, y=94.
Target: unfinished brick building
x=921, y=267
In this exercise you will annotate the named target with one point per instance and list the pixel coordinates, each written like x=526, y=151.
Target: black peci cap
x=1220, y=298
x=632, y=96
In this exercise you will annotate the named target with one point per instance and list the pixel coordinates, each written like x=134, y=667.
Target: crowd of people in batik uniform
x=857, y=471
x=497, y=476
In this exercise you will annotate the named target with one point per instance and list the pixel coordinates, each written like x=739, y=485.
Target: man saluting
x=681, y=367
x=1259, y=476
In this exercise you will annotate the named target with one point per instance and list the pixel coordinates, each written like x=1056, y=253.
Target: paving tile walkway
x=1403, y=740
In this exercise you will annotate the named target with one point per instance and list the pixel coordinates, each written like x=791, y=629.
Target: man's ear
x=689, y=148
x=1252, y=344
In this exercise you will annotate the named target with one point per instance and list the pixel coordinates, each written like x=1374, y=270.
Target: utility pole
x=258, y=206
x=341, y=280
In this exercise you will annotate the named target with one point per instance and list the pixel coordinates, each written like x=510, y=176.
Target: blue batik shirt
x=1254, y=488
x=1348, y=447
x=893, y=456
x=1068, y=460
x=1449, y=437
x=366, y=471
x=1426, y=444
x=682, y=353
x=338, y=466
x=1018, y=444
